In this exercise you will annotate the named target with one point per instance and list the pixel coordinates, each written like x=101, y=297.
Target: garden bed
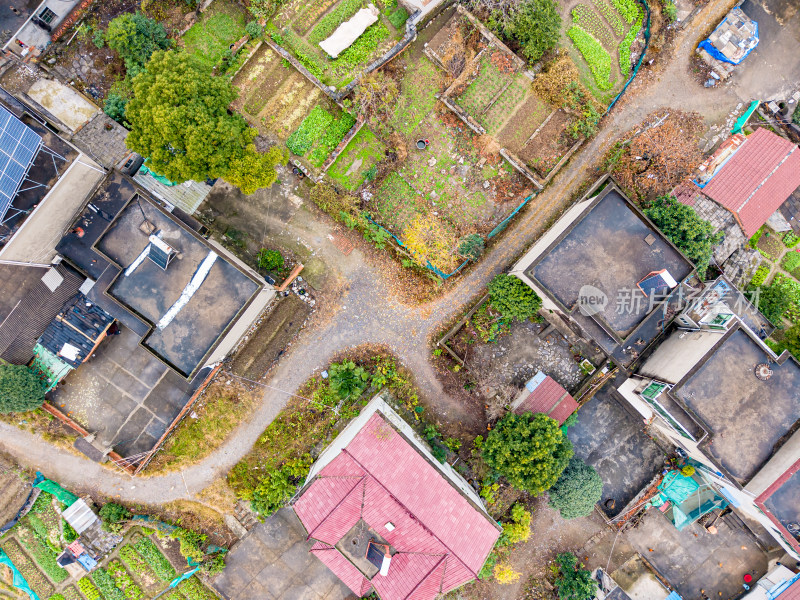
x=357, y=160
x=770, y=246
x=549, y=145
x=300, y=26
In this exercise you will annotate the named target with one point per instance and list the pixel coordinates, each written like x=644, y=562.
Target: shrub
x=753, y=241
x=683, y=227
x=506, y=575
x=577, y=490
x=471, y=246
x=70, y=535
x=687, y=470
x=347, y=379
x=213, y=566
x=573, y=581
x=796, y=115
x=269, y=260
x=513, y=299
x=275, y=490
x=774, y=300
x=398, y=17
x=529, y=450
x=518, y=529
x=254, y=30
x=761, y=274
x=20, y=389
x=534, y=24
x=155, y=559
x=670, y=10
x=191, y=543
x=111, y=513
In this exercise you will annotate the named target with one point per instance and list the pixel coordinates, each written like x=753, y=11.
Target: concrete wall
x=36, y=239
x=678, y=354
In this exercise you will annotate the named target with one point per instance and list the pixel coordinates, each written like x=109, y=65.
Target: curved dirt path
x=368, y=313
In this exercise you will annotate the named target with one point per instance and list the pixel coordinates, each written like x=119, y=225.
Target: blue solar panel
x=19, y=145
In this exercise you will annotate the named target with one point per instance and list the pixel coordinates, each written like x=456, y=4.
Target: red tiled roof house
x=754, y=177
x=543, y=394
x=384, y=515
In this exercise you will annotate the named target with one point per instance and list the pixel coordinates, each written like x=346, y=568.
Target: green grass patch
x=598, y=59
x=218, y=28
x=416, y=100
x=363, y=151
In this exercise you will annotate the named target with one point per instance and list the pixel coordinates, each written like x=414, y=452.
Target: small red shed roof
x=757, y=179
x=548, y=397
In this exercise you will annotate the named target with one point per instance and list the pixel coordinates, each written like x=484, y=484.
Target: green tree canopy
x=534, y=24
x=135, y=38
x=681, y=225
x=348, y=379
x=529, y=450
x=20, y=389
x=577, y=490
x=774, y=300
x=573, y=581
x=180, y=122
x=513, y=299
x=111, y=512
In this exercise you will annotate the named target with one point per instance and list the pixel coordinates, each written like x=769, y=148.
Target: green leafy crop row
x=88, y=589
x=312, y=128
x=597, y=58
x=328, y=24
x=105, y=583
x=625, y=46
x=629, y=9
x=611, y=15
x=157, y=561
x=333, y=135
x=124, y=581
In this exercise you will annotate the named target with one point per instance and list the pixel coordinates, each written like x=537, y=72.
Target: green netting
x=676, y=488
x=737, y=127
x=160, y=178
x=17, y=580
x=48, y=367
x=51, y=487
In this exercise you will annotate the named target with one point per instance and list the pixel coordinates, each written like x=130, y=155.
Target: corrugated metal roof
x=187, y=196
x=548, y=397
x=757, y=179
x=80, y=516
x=74, y=332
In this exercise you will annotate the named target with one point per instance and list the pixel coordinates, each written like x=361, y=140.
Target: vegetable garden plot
x=523, y=123
x=319, y=134
x=552, y=142
x=503, y=109
x=300, y=27
x=602, y=32
x=35, y=578
x=482, y=90
x=362, y=153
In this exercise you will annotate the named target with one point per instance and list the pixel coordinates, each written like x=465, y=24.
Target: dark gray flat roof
x=607, y=249
x=150, y=291
x=745, y=416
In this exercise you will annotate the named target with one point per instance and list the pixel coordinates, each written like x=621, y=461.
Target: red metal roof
x=551, y=399
x=793, y=593
x=441, y=540
x=757, y=179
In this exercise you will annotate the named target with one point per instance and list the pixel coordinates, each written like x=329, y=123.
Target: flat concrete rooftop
x=745, y=416
x=784, y=503
x=151, y=291
x=606, y=249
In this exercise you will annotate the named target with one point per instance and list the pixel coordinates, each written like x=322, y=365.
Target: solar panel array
x=19, y=145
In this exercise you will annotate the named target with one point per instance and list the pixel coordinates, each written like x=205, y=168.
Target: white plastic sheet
x=349, y=31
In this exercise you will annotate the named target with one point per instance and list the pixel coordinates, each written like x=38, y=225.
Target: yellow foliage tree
x=429, y=241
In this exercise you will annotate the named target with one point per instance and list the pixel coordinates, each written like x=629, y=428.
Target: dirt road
x=367, y=311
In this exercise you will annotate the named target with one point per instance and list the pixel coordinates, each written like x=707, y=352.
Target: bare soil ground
x=552, y=142
x=280, y=326
x=14, y=489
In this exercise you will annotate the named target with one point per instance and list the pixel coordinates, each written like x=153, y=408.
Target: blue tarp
x=709, y=47
x=17, y=580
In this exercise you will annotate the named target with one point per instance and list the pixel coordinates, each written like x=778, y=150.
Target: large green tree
x=577, y=490
x=684, y=228
x=513, y=299
x=135, y=38
x=180, y=122
x=529, y=450
x=20, y=389
x=533, y=24
x=774, y=300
